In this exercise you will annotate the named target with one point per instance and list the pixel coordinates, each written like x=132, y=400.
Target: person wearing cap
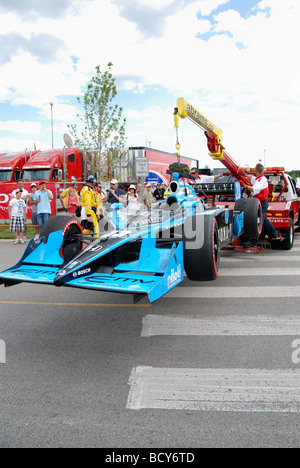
x=115, y=194
x=148, y=197
x=43, y=197
x=159, y=192
x=20, y=186
x=33, y=204
x=131, y=201
x=17, y=214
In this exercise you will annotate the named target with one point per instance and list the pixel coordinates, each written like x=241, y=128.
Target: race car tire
x=202, y=263
x=253, y=217
x=71, y=235
x=288, y=242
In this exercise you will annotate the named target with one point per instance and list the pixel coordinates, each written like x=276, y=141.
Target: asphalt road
x=210, y=365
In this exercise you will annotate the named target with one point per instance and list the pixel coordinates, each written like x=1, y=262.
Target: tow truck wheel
x=288, y=242
x=253, y=217
x=201, y=248
x=71, y=235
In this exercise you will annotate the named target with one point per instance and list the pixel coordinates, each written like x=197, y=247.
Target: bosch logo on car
x=81, y=272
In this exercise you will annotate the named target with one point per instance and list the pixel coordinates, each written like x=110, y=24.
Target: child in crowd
x=17, y=215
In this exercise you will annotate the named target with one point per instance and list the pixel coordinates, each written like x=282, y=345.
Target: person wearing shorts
x=17, y=215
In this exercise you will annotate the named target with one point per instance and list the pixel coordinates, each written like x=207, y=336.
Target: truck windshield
x=5, y=176
x=37, y=174
x=278, y=181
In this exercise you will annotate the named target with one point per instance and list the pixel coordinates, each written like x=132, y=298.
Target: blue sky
x=234, y=60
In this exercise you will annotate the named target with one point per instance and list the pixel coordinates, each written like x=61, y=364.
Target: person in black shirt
x=115, y=194
x=159, y=193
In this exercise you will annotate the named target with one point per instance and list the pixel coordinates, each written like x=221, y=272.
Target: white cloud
x=157, y=4
x=16, y=126
x=253, y=93
x=208, y=6
x=11, y=145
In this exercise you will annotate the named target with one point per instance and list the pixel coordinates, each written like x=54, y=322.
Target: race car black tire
x=288, y=242
x=253, y=217
x=203, y=264
x=71, y=242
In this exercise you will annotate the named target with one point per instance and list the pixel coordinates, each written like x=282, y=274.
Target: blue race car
x=145, y=253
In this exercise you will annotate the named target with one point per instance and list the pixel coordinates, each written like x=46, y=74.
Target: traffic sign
x=142, y=167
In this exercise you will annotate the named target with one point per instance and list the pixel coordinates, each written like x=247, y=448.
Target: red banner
x=6, y=188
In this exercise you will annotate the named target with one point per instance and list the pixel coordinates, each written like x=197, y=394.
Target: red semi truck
x=11, y=165
x=57, y=167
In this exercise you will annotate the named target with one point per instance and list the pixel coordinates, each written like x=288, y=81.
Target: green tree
x=294, y=174
x=102, y=130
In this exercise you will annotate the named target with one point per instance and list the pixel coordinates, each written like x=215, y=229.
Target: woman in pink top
x=72, y=202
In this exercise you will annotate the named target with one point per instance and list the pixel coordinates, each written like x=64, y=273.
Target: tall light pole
x=51, y=106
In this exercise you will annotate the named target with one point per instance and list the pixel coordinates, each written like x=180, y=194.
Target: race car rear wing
x=215, y=188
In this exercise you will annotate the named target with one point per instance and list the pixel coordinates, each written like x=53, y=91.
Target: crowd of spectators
x=134, y=199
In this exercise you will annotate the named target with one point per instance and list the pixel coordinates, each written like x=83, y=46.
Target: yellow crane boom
x=185, y=109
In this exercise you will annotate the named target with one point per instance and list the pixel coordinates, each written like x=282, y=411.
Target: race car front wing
x=159, y=269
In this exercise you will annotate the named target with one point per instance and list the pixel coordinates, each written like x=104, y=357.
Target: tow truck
x=283, y=210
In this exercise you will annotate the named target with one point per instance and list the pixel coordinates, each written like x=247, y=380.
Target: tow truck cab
x=283, y=200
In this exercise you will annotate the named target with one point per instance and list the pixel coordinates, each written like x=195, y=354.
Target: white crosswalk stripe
x=252, y=271
x=259, y=272
x=231, y=325
x=247, y=390
x=224, y=390
x=234, y=292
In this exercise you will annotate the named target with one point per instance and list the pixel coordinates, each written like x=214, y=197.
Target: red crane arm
x=230, y=164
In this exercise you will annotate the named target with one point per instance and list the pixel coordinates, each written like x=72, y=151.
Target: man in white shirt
x=204, y=179
x=260, y=190
x=20, y=185
x=24, y=197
